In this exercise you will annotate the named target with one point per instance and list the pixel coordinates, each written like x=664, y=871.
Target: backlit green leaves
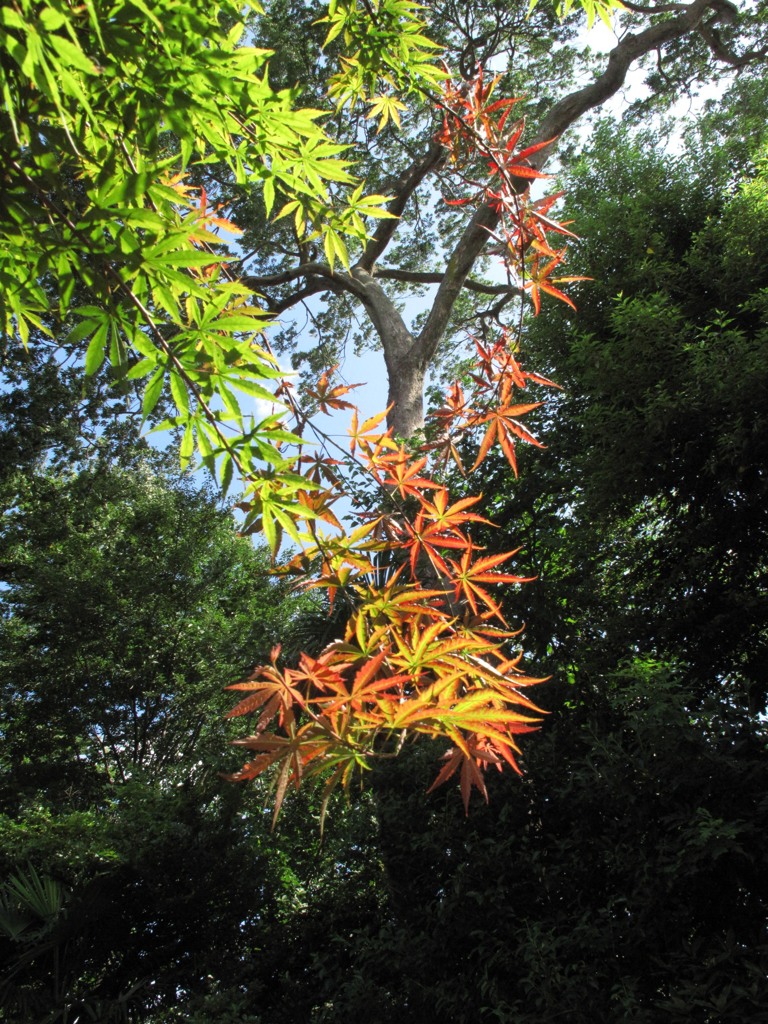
x=106, y=108
x=389, y=54
x=603, y=9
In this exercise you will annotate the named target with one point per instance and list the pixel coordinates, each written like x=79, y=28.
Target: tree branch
x=656, y=9
x=620, y=59
x=419, y=277
x=303, y=270
x=562, y=115
x=712, y=38
x=277, y=308
x=403, y=188
x=319, y=277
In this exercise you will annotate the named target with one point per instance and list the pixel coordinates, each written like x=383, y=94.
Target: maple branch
x=403, y=188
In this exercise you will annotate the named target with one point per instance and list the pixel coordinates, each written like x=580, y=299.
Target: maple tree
x=101, y=203
x=423, y=651
x=643, y=791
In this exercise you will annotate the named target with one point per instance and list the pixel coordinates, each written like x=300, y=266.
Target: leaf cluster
x=422, y=648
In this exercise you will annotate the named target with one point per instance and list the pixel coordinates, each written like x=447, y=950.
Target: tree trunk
x=403, y=355
x=406, y=396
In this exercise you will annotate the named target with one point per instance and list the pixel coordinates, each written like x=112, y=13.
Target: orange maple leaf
x=468, y=574
x=402, y=473
x=438, y=526
x=503, y=425
x=367, y=437
x=328, y=397
x=540, y=280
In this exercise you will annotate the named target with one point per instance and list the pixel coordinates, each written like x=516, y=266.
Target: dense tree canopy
x=128, y=600
x=442, y=246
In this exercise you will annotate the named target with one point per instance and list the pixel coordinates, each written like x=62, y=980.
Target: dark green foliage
x=128, y=603
x=658, y=542
x=623, y=879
